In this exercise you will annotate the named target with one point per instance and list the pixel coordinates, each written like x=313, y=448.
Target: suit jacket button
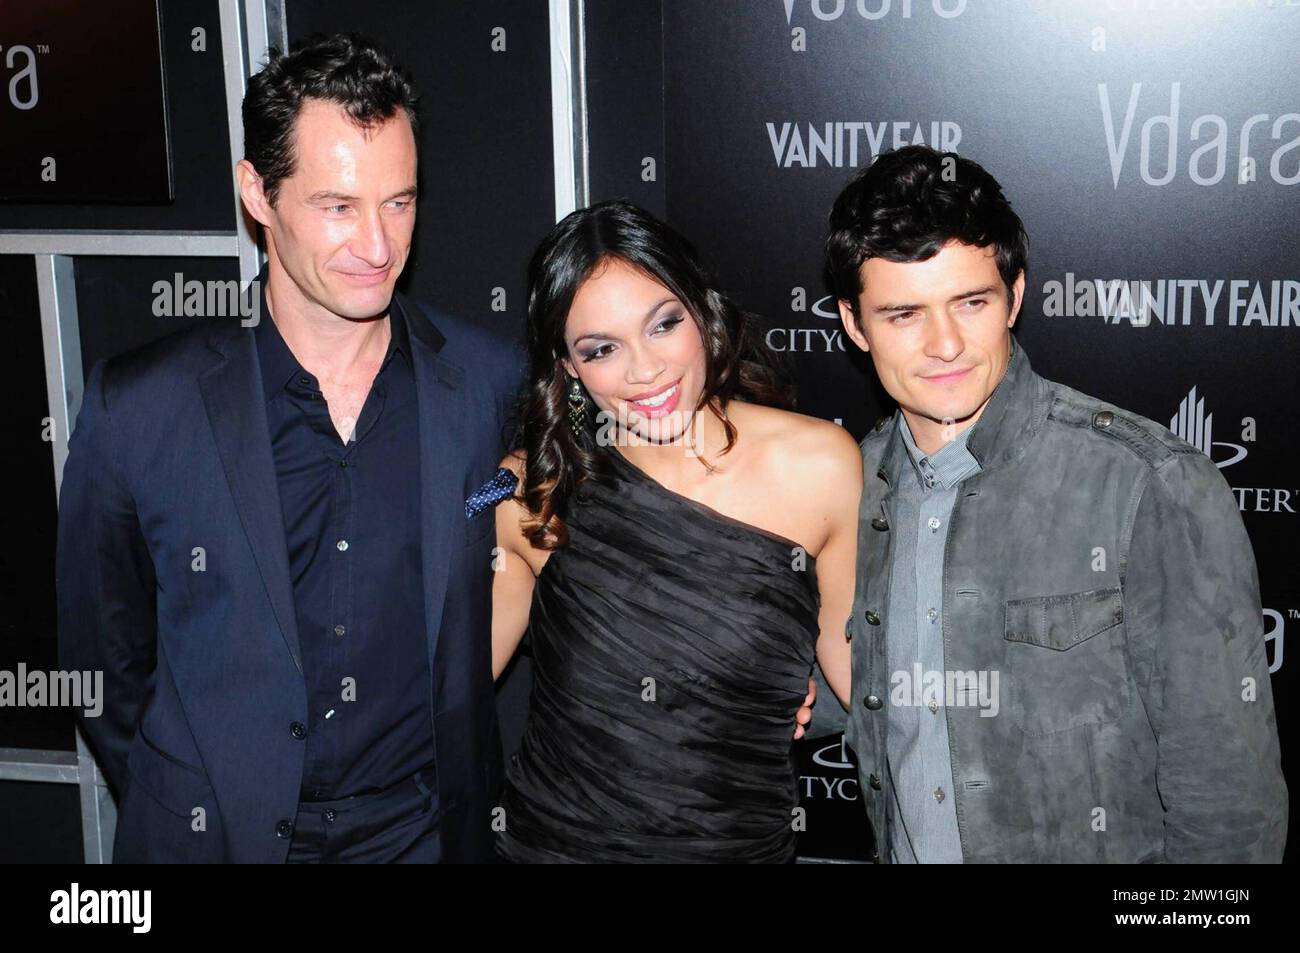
x=880, y=523
x=874, y=781
x=284, y=829
x=298, y=730
x=873, y=703
x=872, y=618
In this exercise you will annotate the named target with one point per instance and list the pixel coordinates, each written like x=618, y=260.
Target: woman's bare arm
x=840, y=480
x=512, y=579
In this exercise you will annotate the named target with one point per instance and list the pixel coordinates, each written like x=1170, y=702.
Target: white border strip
x=142, y=243
x=61, y=340
x=569, y=105
x=22, y=764
x=244, y=44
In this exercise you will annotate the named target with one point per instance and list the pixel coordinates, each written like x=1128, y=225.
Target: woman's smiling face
x=637, y=350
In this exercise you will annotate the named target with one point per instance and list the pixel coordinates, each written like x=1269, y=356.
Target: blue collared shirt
x=923, y=811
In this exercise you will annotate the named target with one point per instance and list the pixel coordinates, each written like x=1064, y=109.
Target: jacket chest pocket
x=1066, y=661
x=479, y=529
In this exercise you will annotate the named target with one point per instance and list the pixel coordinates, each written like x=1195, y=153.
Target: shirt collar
x=279, y=366
x=947, y=466
x=401, y=338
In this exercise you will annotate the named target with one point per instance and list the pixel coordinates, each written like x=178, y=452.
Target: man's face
x=938, y=332
x=342, y=223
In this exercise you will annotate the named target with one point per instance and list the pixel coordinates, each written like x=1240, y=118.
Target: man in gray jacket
x=1058, y=650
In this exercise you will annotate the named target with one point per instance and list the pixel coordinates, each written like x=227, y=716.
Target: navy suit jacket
x=173, y=579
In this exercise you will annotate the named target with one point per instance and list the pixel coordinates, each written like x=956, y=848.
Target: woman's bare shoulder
x=814, y=448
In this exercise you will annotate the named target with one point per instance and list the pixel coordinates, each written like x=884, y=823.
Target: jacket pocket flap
x=174, y=785
x=1059, y=622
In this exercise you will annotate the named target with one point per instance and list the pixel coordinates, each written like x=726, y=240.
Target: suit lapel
x=232, y=393
x=441, y=395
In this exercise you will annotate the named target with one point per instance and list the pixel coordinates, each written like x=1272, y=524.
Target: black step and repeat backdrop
x=1152, y=148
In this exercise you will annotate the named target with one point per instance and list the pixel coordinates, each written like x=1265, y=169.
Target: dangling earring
x=577, y=408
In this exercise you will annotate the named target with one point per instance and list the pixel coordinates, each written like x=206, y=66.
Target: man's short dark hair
x=345, y=69
x=907, y=205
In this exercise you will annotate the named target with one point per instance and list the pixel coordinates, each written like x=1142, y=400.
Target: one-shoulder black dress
x=671, y=650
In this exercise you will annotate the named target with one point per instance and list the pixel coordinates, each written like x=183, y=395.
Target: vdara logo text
x=24, y=91
x=1210, y=140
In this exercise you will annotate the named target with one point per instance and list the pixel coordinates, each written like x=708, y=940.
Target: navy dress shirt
x=352, y=526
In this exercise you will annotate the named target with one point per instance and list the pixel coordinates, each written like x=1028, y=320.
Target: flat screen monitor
x=83, y=104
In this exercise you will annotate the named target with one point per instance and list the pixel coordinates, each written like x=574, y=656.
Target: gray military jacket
x=1099, y=566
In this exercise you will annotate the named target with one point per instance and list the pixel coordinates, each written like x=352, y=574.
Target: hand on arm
x=512, y=578
x=803, y=717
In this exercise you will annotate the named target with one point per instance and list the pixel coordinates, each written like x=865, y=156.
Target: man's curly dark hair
x=907, y=205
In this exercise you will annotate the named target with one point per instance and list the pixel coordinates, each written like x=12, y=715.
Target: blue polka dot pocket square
x=491, y=493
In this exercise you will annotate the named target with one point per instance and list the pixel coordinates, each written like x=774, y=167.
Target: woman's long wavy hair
x=559, y=463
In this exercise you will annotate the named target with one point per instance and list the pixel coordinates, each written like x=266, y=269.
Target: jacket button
x=298, y=730
x=284, y=829
x=872, y=618
x=880, y=424
x=873, y=703
x=1103, y=419
x=874, y=781
x=848, y=630
x=879, y=523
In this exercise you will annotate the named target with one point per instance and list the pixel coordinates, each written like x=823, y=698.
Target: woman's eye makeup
x=663, y=327
x=667, y=324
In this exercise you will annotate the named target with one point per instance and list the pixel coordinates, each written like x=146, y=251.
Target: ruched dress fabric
x=671, y=650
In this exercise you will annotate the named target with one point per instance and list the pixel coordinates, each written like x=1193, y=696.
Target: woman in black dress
x=680, y=548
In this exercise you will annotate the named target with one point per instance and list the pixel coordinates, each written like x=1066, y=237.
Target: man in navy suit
x=263, y=535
